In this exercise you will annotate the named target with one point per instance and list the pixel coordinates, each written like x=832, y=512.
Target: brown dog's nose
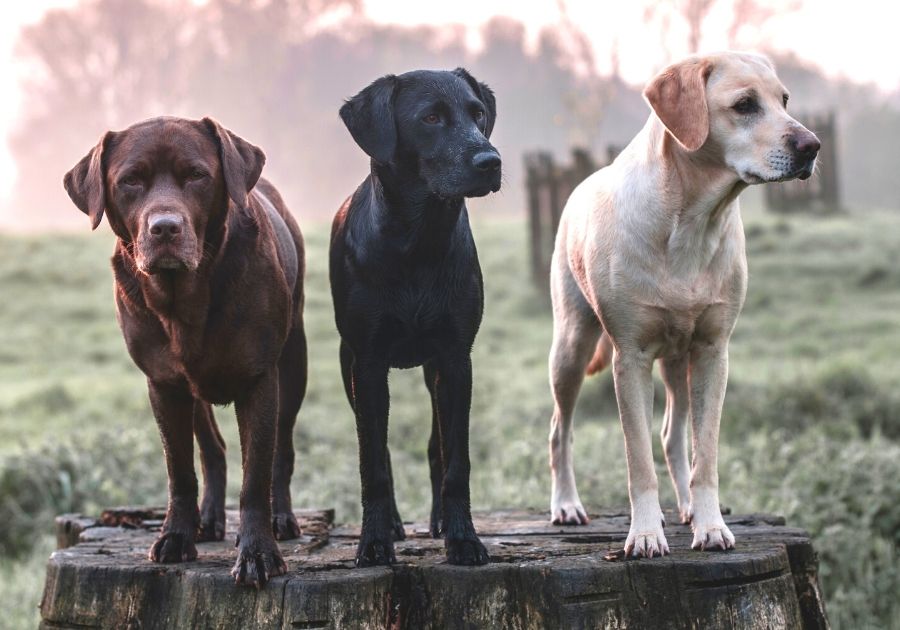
x=165, y=226
x=805, y=145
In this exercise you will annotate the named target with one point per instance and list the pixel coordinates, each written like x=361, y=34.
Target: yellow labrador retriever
x=650, y=264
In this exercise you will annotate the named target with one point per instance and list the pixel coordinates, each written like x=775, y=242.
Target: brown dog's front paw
x=285, y=526
x=467, y=552
x=211, y=528
x=173, y=546
x=257, y=563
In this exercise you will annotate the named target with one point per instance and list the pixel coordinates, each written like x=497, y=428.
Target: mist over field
x=276, y=73
x=811, y=426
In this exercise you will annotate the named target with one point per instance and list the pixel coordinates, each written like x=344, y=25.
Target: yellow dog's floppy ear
x=678, y=97
x=86, y=183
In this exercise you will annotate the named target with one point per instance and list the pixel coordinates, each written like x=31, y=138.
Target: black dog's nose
x=805, y=144
x=165, y=226
x=487, y=161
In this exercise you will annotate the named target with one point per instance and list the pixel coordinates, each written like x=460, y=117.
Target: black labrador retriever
x=407, y=286
x=209, y=294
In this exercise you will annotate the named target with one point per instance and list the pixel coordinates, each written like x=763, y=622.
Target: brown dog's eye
x=431, y=119
x=746, y=105
x=130, y=180
x=195, y=175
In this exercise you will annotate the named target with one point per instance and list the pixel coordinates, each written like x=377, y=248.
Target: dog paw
x=712, y=537
x=569, y=512
x=285, y=526
x=435, y=528
x=397, y=530
x=258, y=561
x=685, y=513
x=467, y=552
x=375, y=550
x=211, y=528
x=173, y=546
x=646, y=543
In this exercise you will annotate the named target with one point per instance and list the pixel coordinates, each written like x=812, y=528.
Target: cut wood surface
x=541, y=576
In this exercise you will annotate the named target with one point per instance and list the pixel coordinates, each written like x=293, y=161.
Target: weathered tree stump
x=542, y=576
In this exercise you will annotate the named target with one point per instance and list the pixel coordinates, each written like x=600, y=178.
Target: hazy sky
x=856, y=39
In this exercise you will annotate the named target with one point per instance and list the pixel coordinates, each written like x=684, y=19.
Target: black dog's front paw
x=467, y=551
x=258, y=561
x=435, y=528
x=374, y=550
x=285, y=526
x=173, y=546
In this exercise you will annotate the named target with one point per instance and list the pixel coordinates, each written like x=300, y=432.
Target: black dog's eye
x=746, y=105
x=431, y=119
x=479, y=115
x=130, y=180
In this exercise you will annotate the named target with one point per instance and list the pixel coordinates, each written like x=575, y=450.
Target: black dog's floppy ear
x=483, y=92
x=86, y=183
x=242, y=162
x=369, y=116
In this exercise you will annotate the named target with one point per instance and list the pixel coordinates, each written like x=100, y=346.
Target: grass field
x=811, y=427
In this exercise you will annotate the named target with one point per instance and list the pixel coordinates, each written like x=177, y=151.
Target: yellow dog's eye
x=746, y=105
x=785, y=99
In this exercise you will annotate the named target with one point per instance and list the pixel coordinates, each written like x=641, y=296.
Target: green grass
x=814, y=366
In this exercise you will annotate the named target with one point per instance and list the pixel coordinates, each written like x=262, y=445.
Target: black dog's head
x=161, y=183
x=433, y=125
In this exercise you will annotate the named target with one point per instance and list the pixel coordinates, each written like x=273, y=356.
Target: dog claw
x=397, y=530
x=285, y=526
x=211, y=530
x=646, y=544
x=256, y=565
x=172, y=547
x=375, y=552
x=715, y=538
x=570, y=514
x=467, y=552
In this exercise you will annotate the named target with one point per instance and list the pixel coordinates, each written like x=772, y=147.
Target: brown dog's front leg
x=258, y=555
x=454, y=399
x=212, y=460
x=173, y=408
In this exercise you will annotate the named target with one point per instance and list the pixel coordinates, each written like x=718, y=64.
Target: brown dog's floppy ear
x=86, y=183
x=485, y=94
x=369, y=116
x=242, y=162
x=678, y=97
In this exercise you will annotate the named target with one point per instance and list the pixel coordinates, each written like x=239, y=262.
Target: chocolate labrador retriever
x=407, y=286
x=208, y=272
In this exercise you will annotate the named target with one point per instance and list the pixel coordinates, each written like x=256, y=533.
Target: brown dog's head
x=731, y=108
x=162, y=183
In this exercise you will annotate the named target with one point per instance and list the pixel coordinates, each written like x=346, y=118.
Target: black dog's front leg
x=454, y=398
x=372, y=400
x=173, y=408
x=258, y=555
x=435, y=462
x=347, y=374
